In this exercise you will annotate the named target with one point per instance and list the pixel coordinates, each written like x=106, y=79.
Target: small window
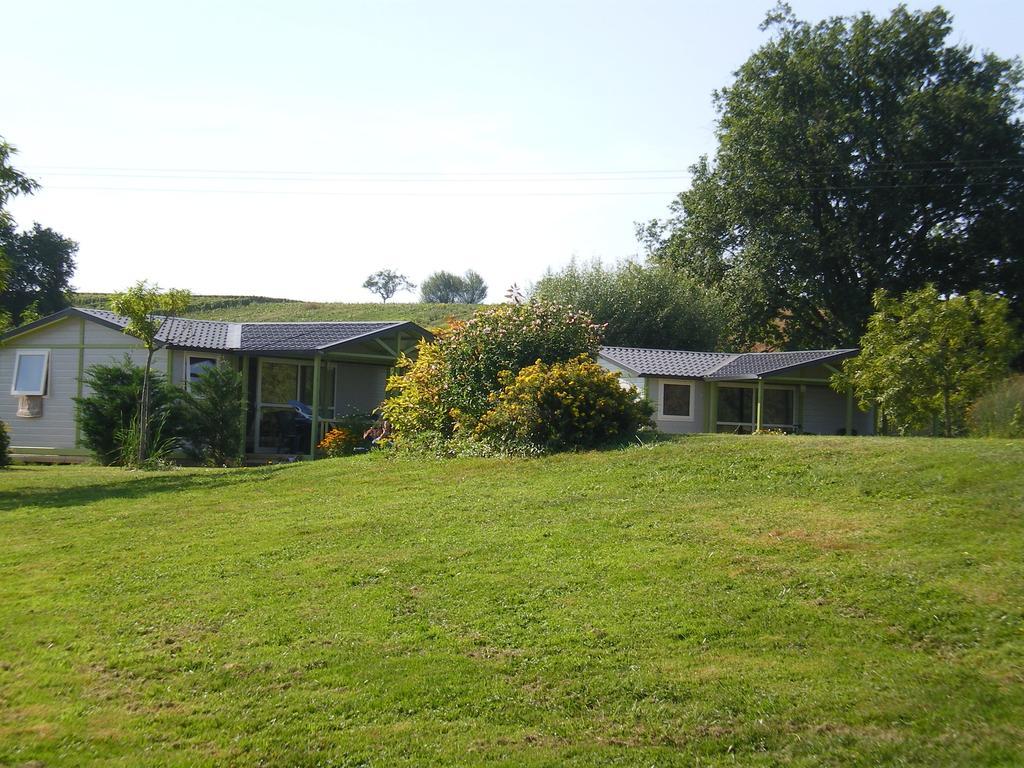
x=30, y=369
x=196, y=366
x=675, y=400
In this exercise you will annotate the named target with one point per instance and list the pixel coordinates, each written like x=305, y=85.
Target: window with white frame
x=677, y=401
x=31, y=367
x=195, y=365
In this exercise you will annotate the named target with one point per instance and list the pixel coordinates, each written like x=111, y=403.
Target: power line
x=201, y=190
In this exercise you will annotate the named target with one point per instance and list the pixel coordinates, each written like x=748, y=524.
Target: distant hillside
x=264, y=309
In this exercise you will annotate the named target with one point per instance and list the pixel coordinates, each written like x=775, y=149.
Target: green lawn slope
x=754, y=601
x=264, y=309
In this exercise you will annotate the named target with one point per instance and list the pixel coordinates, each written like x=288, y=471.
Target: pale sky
x=289, y=149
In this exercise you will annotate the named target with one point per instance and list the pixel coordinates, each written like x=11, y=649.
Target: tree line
x=439, y=288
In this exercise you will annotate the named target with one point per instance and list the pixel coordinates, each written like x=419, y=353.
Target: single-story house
x=741, y=392
x=343, y=366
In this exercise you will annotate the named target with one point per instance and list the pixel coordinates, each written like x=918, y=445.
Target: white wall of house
x=677, y=424
x=74, y=345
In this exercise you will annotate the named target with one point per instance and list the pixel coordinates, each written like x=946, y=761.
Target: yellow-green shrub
x=451, y=383
x=575, y=404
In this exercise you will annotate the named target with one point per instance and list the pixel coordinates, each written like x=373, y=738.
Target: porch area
x=293, y=399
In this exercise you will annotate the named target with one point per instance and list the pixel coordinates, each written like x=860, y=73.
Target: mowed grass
x=712, y=600
x=255, y=309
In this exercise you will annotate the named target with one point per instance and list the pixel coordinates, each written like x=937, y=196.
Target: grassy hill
x=718, y=600
x=264, y=309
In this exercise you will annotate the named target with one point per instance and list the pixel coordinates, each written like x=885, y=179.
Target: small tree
x=147, y=308
x=925, y=357
x=216, y=415
x=386, y=283
x=115, y=390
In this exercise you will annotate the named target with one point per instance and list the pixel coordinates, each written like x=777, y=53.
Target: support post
x=849, y=411
x=314, y=426
x=801, y=395
x=80, y=383
x=760, y=404
x=713, y=407
x=245, y=403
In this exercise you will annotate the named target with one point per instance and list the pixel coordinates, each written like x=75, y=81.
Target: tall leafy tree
x=854, y=154
x=926, y=357
x=41, y=263
x=147, y=309
x=642, y=306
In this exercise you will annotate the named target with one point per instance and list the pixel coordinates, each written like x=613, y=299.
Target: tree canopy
x=855, y=154
x=447, y=288
x=926, y=358
x=41, y=263
x=641, y=306
x=12, y=182
x=386, y=283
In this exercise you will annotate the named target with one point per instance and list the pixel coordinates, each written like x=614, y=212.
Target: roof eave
x=371, y=335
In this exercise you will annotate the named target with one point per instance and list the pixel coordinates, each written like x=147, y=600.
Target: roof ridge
x=728, y=361
x=320, y=322
x=663, y=349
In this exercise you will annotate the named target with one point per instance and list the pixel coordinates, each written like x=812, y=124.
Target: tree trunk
x=144, y=411
x=947, y=416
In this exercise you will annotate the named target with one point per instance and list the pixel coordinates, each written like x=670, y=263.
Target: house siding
x=56, y=428
x=360, y=388
x=675, y=426
x=825, y=413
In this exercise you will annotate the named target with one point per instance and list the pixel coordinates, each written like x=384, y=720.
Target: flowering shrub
x=338, y=442
x=451, y=383
x=576, y=404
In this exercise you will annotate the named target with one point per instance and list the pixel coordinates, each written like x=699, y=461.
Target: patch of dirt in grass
x=825, y=540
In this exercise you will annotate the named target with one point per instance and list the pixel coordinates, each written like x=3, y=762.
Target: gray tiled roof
x=182, y=332
x=252, y=337
x=266, y=337
x=678, y=363
x=754, y=364
x=666, y=362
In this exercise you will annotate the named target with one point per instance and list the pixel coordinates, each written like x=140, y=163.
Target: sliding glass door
x=281, y=383
x=737, y=408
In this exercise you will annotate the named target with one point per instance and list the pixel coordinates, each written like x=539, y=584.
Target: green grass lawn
x=754, y=601
x=263, y=309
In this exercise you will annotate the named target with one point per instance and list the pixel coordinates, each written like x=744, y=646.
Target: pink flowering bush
x=451, y=384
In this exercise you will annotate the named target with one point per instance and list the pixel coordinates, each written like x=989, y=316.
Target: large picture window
x=677, y=401
x=30, y=370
